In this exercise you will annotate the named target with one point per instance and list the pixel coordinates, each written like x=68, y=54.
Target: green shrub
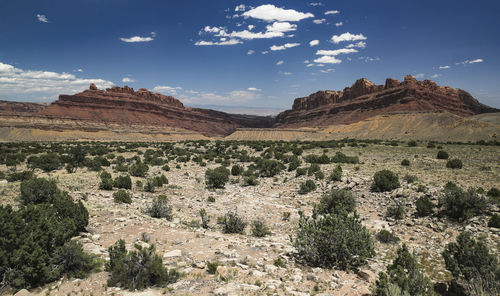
x=385, y=180
x=472, y=265
x=412, y=144
x=160, y=208
x=319, y=175
x=442, y=154
x=338, y=240
x=204, y=218
x=149, y=186
x=387, y=237
x=269, y=167
x=74, y=262
x=138, y=169
x=212, y=267
x=410, y=178
x=260, y=229
x=462, y=205
x=493, y=192
x=300, y=172
x=38, y=190
x=334, y=202
x=342, y=158
x=106, y=181
x=425, y=207
x=396, y=211
x=494, y=221
x=232, y=223
x=294, y=163
x=20, y=176
x=454, y=164
x=137, y=269
x=166, y=168
x=250, y=181
x=217, y=178
x=47, y=162
x=336, y=174
x=406, y=274
x=311, y=170
x=236, y=170
x=124, y=182
x=122, y=196
x=405, y=162
x=307, y=187
x=279, y=262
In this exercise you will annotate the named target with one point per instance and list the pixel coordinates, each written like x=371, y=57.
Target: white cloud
x=254, y=89
x=250, y=27
x=339, y=24
x=470, y=62
x=281, y=27
x=269, y=12
x=240, y=7
x=250, y=52
x=315, y=4
x=309, y=65
x=79, y=70
x=233, y=97
x=284, y=46
x=287, y=73
x=128, y=80
x=35, y=85
x=153, y=34
x=42, y=18
x=265, y=52
x=360, y=44
x=328, y=60
x=435, y=76
x=336, y=51
x=279, y=63
x=331, y=12
x=444, y=67
x=313, y=43
x=420, y=75
x=319, y=21
x=327, y=70
x=167, y=90
x=369, y=59
x=347, y=37
x=137, y=39
x=220, y=43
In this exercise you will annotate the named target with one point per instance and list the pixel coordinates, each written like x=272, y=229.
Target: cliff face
x=365, y=99
x=126, y=107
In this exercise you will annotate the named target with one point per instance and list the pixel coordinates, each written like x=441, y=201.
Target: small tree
x=334, y=202
x=307, y=187
x=138, y=269
x=160, y=208
x=442, y=154
x=37, y=190
x=217, y=178
x=106, y=181
x=338, y=240
x=260, y=229
x=462, y=205
x=454, y=164
x=425, y=207
x=406, y=274
x=122, y=196
x=405, y=162
x=124, y=182
x=471, y=264
x=236, y=170
x=336, y=174
x=385, y=180
x=232, y=223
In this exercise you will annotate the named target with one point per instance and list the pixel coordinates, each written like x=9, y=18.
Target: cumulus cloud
x=36, y=85
x=369, y=59
x=254, y=89
x=240, y=7
x=319, y=21
x=470, y=62
x=444, y=67
x=420, y=75
x=327, y=60
x=42, y=18
x=128, y=80
x=284, y=46
x=315, y=4
x=167, y=90
x=336, y=51
x=347, y=37
x=250, y=52
x=331, y=12
x=137, y=39
x=220, y=43
x=233, y=97
x=360, y=44
x=313, y=43
x=269, y=13
x=327, y=70
x=287, y=73
x=279, y=63
x=339, y=24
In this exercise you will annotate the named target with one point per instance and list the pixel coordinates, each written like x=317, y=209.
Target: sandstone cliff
x=365, y=99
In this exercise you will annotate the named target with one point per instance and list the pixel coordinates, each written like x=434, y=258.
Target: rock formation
x=364, y=99
x=125, y=106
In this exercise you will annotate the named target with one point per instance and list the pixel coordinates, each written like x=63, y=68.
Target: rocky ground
x=246, y=262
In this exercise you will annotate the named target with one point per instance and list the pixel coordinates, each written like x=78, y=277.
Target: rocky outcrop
x=123, y=105
x=20, y=108
x=364, y=99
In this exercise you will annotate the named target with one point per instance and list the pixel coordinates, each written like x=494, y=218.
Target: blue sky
x=244, y=53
